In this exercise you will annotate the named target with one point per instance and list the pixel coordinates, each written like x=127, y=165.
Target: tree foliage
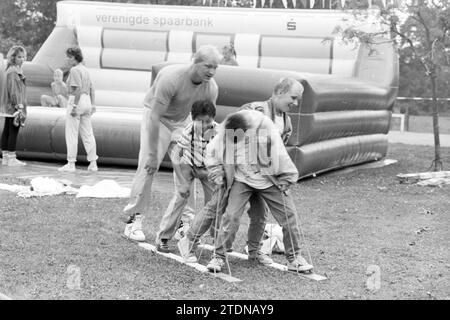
x=421, y=31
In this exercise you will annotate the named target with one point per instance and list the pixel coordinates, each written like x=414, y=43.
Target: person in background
x=229, y=55
x=188, y=163
x=59, y=91
x=80, y=108
x=13, y=105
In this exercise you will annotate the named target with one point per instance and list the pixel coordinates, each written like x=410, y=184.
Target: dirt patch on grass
x=350, y=221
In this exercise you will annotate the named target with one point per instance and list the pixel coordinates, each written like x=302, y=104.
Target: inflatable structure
x=346, y=107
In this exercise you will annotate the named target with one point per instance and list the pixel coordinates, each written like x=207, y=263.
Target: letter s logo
x=291, y=25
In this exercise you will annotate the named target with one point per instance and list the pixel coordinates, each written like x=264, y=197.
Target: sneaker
x=92, y=166
x=13, y=162
x=216, y=264
x=163, y=246
x=299, y=265
x=69, y=167
x=133, y=229
x=186, y=249
x=261, y=258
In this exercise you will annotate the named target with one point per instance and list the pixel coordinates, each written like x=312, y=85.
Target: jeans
x=172, y=216
x=281, y=207
x=206, y=218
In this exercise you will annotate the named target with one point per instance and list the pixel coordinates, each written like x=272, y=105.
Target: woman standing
x=14, y=105
x=79, y=111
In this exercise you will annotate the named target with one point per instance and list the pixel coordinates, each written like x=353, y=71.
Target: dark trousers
x=9, y=136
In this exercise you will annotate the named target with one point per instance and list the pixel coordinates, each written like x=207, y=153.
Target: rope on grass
x=299, y=228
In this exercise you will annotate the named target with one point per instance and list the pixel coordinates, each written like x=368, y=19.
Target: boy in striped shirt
x=188, y=163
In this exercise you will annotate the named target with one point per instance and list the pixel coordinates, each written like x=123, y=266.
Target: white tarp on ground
x=43, y=186
x=104, y=189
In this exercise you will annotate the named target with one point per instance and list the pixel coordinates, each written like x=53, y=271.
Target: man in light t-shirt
x=167, y=107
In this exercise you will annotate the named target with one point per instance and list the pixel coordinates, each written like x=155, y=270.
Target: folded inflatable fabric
x=104, y=189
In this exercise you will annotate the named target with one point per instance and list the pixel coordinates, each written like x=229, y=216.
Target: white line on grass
x=196, y=266
x=311, y=276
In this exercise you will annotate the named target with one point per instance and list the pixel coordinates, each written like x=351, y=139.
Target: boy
x=167, y=107
x=59, y=90
x=188, y=163
x=257, y=165
x=286, y=96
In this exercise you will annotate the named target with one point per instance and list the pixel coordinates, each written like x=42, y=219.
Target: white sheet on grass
x=43, y=186
x=39, y=186
x=104, y=189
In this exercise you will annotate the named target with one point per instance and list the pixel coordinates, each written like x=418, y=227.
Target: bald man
x=167, y=107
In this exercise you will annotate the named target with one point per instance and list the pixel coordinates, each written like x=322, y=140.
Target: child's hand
x=213, y=173
x=93, y=110
x=184, y=191
x=218, y=181
x=283, y=187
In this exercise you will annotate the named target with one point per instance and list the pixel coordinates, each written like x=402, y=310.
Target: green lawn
x=351, y=221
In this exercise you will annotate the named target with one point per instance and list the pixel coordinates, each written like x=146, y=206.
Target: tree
x=421, y=29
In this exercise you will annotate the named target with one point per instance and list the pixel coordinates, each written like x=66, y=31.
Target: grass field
x=351, y=221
